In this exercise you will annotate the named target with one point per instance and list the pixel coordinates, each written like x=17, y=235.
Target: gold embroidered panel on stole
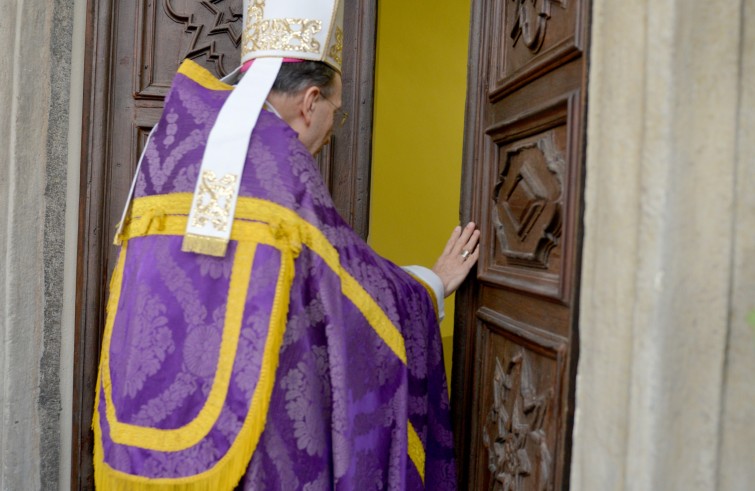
x=214, y=200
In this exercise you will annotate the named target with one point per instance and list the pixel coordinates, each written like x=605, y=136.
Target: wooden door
x=134, y=48
x=516, y=337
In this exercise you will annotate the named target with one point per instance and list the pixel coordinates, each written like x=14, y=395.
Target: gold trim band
x=263, y=222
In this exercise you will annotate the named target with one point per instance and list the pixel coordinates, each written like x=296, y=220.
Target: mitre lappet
x=274, y=30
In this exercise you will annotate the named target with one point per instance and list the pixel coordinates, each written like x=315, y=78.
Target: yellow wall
x=420, y=89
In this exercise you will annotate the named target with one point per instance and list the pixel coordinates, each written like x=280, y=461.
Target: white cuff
x=432, y=280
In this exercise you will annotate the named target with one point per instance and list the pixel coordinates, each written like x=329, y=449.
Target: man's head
x=307, y=94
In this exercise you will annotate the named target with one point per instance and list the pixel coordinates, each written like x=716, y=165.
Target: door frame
x=463, y=346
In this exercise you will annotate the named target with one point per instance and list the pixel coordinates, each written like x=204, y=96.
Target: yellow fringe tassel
x=229, y=470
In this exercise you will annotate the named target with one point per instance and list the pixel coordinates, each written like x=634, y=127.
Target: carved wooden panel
x=515, y=338
x=528, y=188
x=206, y=31
x=521, y=401
x=527, y=195
x=534, y=37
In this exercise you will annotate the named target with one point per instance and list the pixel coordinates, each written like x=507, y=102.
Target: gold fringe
x=210, y=246
x=292, y=230
x=231, y=467
x=118, y=238
x=178, y=439
x=223, y=476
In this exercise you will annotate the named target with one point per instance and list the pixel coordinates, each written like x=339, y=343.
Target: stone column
x=737, y=468
x=662, y=237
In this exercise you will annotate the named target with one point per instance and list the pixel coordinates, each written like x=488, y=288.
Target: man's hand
x=458, y=257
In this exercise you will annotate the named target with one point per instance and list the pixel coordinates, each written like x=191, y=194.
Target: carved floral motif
x=514, y=433
x=532, y=21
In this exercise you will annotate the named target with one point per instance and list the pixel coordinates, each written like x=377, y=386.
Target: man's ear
x=308, y=103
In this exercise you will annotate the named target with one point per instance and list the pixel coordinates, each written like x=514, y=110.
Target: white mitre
x=273, y=30
x=302, y=29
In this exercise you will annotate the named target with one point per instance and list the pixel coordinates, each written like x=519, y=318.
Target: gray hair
x=295, y=77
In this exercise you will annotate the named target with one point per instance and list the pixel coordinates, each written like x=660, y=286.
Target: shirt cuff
x=432, y=280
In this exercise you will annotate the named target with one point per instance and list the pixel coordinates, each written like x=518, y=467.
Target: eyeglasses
x=338, y=113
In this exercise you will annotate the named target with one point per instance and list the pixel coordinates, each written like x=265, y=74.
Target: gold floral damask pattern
x=214, y=200
x=286, y=34
x=336, y=49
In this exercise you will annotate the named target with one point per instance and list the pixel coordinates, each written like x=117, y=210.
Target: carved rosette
x=527, y=196
x=531, y=22
x=214, y=27
x=514, y=431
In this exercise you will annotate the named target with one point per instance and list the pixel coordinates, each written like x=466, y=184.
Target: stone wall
x=664, y=392
x=34, y=132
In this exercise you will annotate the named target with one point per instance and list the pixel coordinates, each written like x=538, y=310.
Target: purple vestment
x=299, y=361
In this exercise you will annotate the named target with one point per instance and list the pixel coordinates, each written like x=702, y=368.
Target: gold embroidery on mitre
x=279, y=34
x=214, y=200
x=336, y=50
